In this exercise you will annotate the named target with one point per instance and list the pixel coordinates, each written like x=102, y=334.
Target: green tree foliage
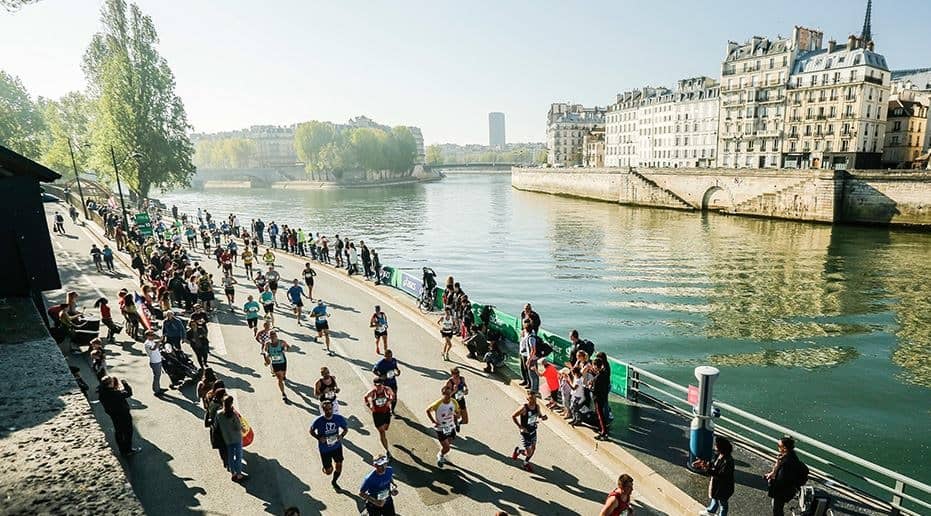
x=138, y=112
x=21, y=123
x=325, y=149
x=68, y=117
x=225, y=153
x=434, y=155
x=15, y=5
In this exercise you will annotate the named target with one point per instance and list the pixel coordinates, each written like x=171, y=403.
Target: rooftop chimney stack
x=831, y=46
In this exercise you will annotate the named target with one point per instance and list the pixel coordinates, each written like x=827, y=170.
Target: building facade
x=905, y=132
x=837, y=107
x=567, y=125
x=593, y=148
x=496, y=130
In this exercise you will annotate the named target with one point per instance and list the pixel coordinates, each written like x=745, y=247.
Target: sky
x=439, y=65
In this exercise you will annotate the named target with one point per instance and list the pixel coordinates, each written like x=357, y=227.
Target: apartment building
x=567, y=125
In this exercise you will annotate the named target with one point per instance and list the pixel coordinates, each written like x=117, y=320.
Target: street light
x=119, y=185
x=77, y=177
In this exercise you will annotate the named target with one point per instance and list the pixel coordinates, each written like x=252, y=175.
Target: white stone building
x=566, y=127
x=837, y=107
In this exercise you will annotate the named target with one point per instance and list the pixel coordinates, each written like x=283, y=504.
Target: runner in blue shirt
x=320, y=322
x=378, y=489
x=251, y=307
x=294, y=295
x=329, y=430
x=387, y=369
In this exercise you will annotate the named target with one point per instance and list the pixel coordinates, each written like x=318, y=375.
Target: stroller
x=178, y=366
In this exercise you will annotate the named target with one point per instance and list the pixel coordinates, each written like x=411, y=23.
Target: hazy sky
x=440, y=65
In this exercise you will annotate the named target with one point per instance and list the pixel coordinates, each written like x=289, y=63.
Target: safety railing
x=860, y=479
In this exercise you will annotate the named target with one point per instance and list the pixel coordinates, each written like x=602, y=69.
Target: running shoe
x=439, y=460
x=516, y=453
x=528, y=466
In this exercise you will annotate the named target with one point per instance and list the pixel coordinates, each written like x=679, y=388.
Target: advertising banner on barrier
x=385, y=276
x=411, y=284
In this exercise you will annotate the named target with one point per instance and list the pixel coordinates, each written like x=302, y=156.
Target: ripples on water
x=836, y=319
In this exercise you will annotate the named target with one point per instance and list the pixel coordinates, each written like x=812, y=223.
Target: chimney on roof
x=870, y=46
x=731, y=47
x=851, y=42
x=831, y=46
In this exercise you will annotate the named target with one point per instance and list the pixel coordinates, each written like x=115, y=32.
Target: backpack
x=543, y=347
x=802, y=475
x=587, y=346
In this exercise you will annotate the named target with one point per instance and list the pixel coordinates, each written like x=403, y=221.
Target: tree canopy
x=21, y=122
x=225, y=153
x=137, y=110
x=327, y=149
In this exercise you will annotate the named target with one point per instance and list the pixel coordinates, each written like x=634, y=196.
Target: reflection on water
x=805, y=358
x=843, y=313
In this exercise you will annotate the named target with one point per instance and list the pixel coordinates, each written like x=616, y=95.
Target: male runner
x=387, y=369
x=326, y=430
x=268, y=302
x=321, y=324
x=526, y=419
x=443, y=413
x=378, y=400
x=294, y=295
x=247, y=258
x=273, y=277
x=274, y=349
x=251, y=307
x=379, y=321
x=378, y=489
x=309, y=280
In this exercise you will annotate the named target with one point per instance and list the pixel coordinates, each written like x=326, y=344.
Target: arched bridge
x=475, y=166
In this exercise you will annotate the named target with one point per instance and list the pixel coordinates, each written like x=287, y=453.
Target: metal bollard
x=701, y=434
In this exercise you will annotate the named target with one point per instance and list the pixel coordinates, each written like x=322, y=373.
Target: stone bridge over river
x=875, y=197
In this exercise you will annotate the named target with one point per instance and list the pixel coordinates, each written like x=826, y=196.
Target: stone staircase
x=659, y=196
x=788, y=202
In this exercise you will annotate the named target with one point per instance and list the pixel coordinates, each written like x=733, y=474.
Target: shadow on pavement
x=159, y=490
x=277, y=487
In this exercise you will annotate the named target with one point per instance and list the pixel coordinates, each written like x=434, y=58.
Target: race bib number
x=391, y=374
x=532, y=419
x=332, y=439
x=447, y=427
x=383, y=495
x=380, y=402
x=459, y=395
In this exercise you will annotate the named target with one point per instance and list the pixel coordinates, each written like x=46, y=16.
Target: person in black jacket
x=722, y=477
x=786, y=477
x=113, y=394
x=601, y=387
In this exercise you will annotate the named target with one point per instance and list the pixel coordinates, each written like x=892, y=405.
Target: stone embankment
x=55, y=455
x=831, y=196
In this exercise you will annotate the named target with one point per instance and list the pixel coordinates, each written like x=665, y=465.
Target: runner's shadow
x=195, y=409
x=342, y=335
x=277, y=487
x=159, y=490
x=356, y=425
x=428, y=373
x=236, y=368
x=344, y=308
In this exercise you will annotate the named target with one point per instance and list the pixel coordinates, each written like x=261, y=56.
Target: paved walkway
x=178, y=472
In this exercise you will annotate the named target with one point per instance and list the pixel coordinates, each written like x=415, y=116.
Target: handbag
x=248, y=435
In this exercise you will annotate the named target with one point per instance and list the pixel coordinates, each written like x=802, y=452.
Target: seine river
x=826, y=330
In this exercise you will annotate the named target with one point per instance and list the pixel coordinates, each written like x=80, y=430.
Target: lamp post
x=77, y=178
x=119, y=187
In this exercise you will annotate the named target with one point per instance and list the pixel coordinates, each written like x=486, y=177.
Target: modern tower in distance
x=496, y=129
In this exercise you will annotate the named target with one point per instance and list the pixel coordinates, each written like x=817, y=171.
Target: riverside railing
x=860, y=479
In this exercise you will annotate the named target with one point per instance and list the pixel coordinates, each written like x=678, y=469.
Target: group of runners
x=447, y=414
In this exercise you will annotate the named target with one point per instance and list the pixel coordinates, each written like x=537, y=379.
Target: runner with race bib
x=444, y=413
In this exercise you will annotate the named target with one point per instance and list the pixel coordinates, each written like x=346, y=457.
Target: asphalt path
x=177, y=472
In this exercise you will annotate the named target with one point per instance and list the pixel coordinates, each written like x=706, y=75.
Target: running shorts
x=381, y=333
x=253, y=323
x=282, y=367
x=446, y=333
x=269, y=308
x=329, y=457
x=528, y=439
x=442, y=436
x=325, y=325
x=381, y=418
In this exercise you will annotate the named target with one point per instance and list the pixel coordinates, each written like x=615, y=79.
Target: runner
x=274, y=349
x=247, y=258
x=268, y=302
x=309, y=280
x=321, y=324
x=264, y=335
x=379, y=321
x=269, y=257
x=294, y=295
x=458, y=385
x=252, y=314
x=108, y=257
x=228, y=288
x=205, y=291
x=618, y=502
x=378, y=400
x=326, y=430
x=526, y=419
x=443, y=413
x=260, y=282
x=387, y=369
x=226, y=260
x=97, y=255
x=326, y=388
x=378, y=489
x=272, y=276
x=59, y=224
x=447, y=323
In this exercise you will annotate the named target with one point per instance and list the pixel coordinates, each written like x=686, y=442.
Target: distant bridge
x=498, y=165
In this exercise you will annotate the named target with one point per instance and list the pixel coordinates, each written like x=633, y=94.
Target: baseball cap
x=381, y=460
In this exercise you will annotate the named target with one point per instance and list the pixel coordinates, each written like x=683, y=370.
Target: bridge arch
x=716, y=198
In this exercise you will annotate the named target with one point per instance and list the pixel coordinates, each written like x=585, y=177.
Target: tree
x=15, y=5
x=66, y=118
x=309, y=139
x=434, y=155
x=21, y=123
x=138, y=112
x=401, y=150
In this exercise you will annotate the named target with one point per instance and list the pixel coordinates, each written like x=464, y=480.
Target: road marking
x=216, y=337
x=70, y=261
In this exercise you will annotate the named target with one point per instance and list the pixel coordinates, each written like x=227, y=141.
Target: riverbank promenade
x=177, y=472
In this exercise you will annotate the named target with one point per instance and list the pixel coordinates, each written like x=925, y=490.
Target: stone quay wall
x=863, y=197
x=56, y=459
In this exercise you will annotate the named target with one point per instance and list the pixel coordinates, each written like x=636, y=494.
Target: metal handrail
x=901, y=481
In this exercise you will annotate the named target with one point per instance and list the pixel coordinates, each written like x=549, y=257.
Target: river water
x=826, y=330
